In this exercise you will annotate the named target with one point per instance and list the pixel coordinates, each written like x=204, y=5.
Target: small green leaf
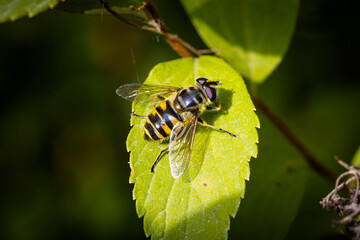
x=94, y=7
x=81, y=6
x=356, y=159
x=14, y=9
x=197, y=205
x=252, y=35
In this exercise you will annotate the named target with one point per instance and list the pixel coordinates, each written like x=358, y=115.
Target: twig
x=336, y=190
x=348, y=218
x=155, y=25
x=341, y=205
x=284, y=129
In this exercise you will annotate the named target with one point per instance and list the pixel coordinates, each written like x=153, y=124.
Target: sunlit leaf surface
x=356, y=159
x=252, y=35
x=197, y=205
x=14, y=9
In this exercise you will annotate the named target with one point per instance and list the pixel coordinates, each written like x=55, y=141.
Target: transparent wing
x=138, y=92
x=180, y=147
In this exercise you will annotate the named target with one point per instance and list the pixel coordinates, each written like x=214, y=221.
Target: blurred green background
x=64, y=167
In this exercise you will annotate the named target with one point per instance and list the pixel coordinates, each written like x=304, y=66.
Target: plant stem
x=284, y=129
x=155, y=25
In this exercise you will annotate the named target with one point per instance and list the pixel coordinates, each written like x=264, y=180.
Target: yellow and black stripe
x=160, y=121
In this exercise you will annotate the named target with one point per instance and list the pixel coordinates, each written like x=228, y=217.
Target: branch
x=155, y=25
x=284, y=129
x=342, y=205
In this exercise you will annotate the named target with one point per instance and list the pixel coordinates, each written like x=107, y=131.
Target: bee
x=175, y=117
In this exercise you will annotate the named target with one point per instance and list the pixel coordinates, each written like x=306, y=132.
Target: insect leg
x=216, y=108
x=202, y=122
x=135, y=115
x=158, y=158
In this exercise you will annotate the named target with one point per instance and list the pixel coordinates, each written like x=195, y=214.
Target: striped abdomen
x=160, y=121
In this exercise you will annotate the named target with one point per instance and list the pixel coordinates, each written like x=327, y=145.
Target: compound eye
x=211, y=93
x=201, y=81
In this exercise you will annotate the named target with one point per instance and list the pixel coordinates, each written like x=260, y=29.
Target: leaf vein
x=166, y=207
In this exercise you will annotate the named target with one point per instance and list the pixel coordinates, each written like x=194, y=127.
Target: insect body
x=175, y=116
x=161, y=121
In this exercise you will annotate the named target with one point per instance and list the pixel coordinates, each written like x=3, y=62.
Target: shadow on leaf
x=225, y=97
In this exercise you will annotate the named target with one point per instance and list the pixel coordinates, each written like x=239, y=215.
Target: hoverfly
x=176, y=116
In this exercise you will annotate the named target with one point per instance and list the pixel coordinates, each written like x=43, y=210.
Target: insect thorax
x=189, y=99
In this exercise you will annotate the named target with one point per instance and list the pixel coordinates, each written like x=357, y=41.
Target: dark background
x=63, y=164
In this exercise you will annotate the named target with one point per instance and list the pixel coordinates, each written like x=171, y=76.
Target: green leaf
x=356, y=159
x=82, y=6
x=14, y=9
x=198, y=204
x=274, y=195
x=94, y=7
x=252, y=35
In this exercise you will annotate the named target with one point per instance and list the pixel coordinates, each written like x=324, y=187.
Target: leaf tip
x=31, y=14
x=53, y=4
x=12, y=18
